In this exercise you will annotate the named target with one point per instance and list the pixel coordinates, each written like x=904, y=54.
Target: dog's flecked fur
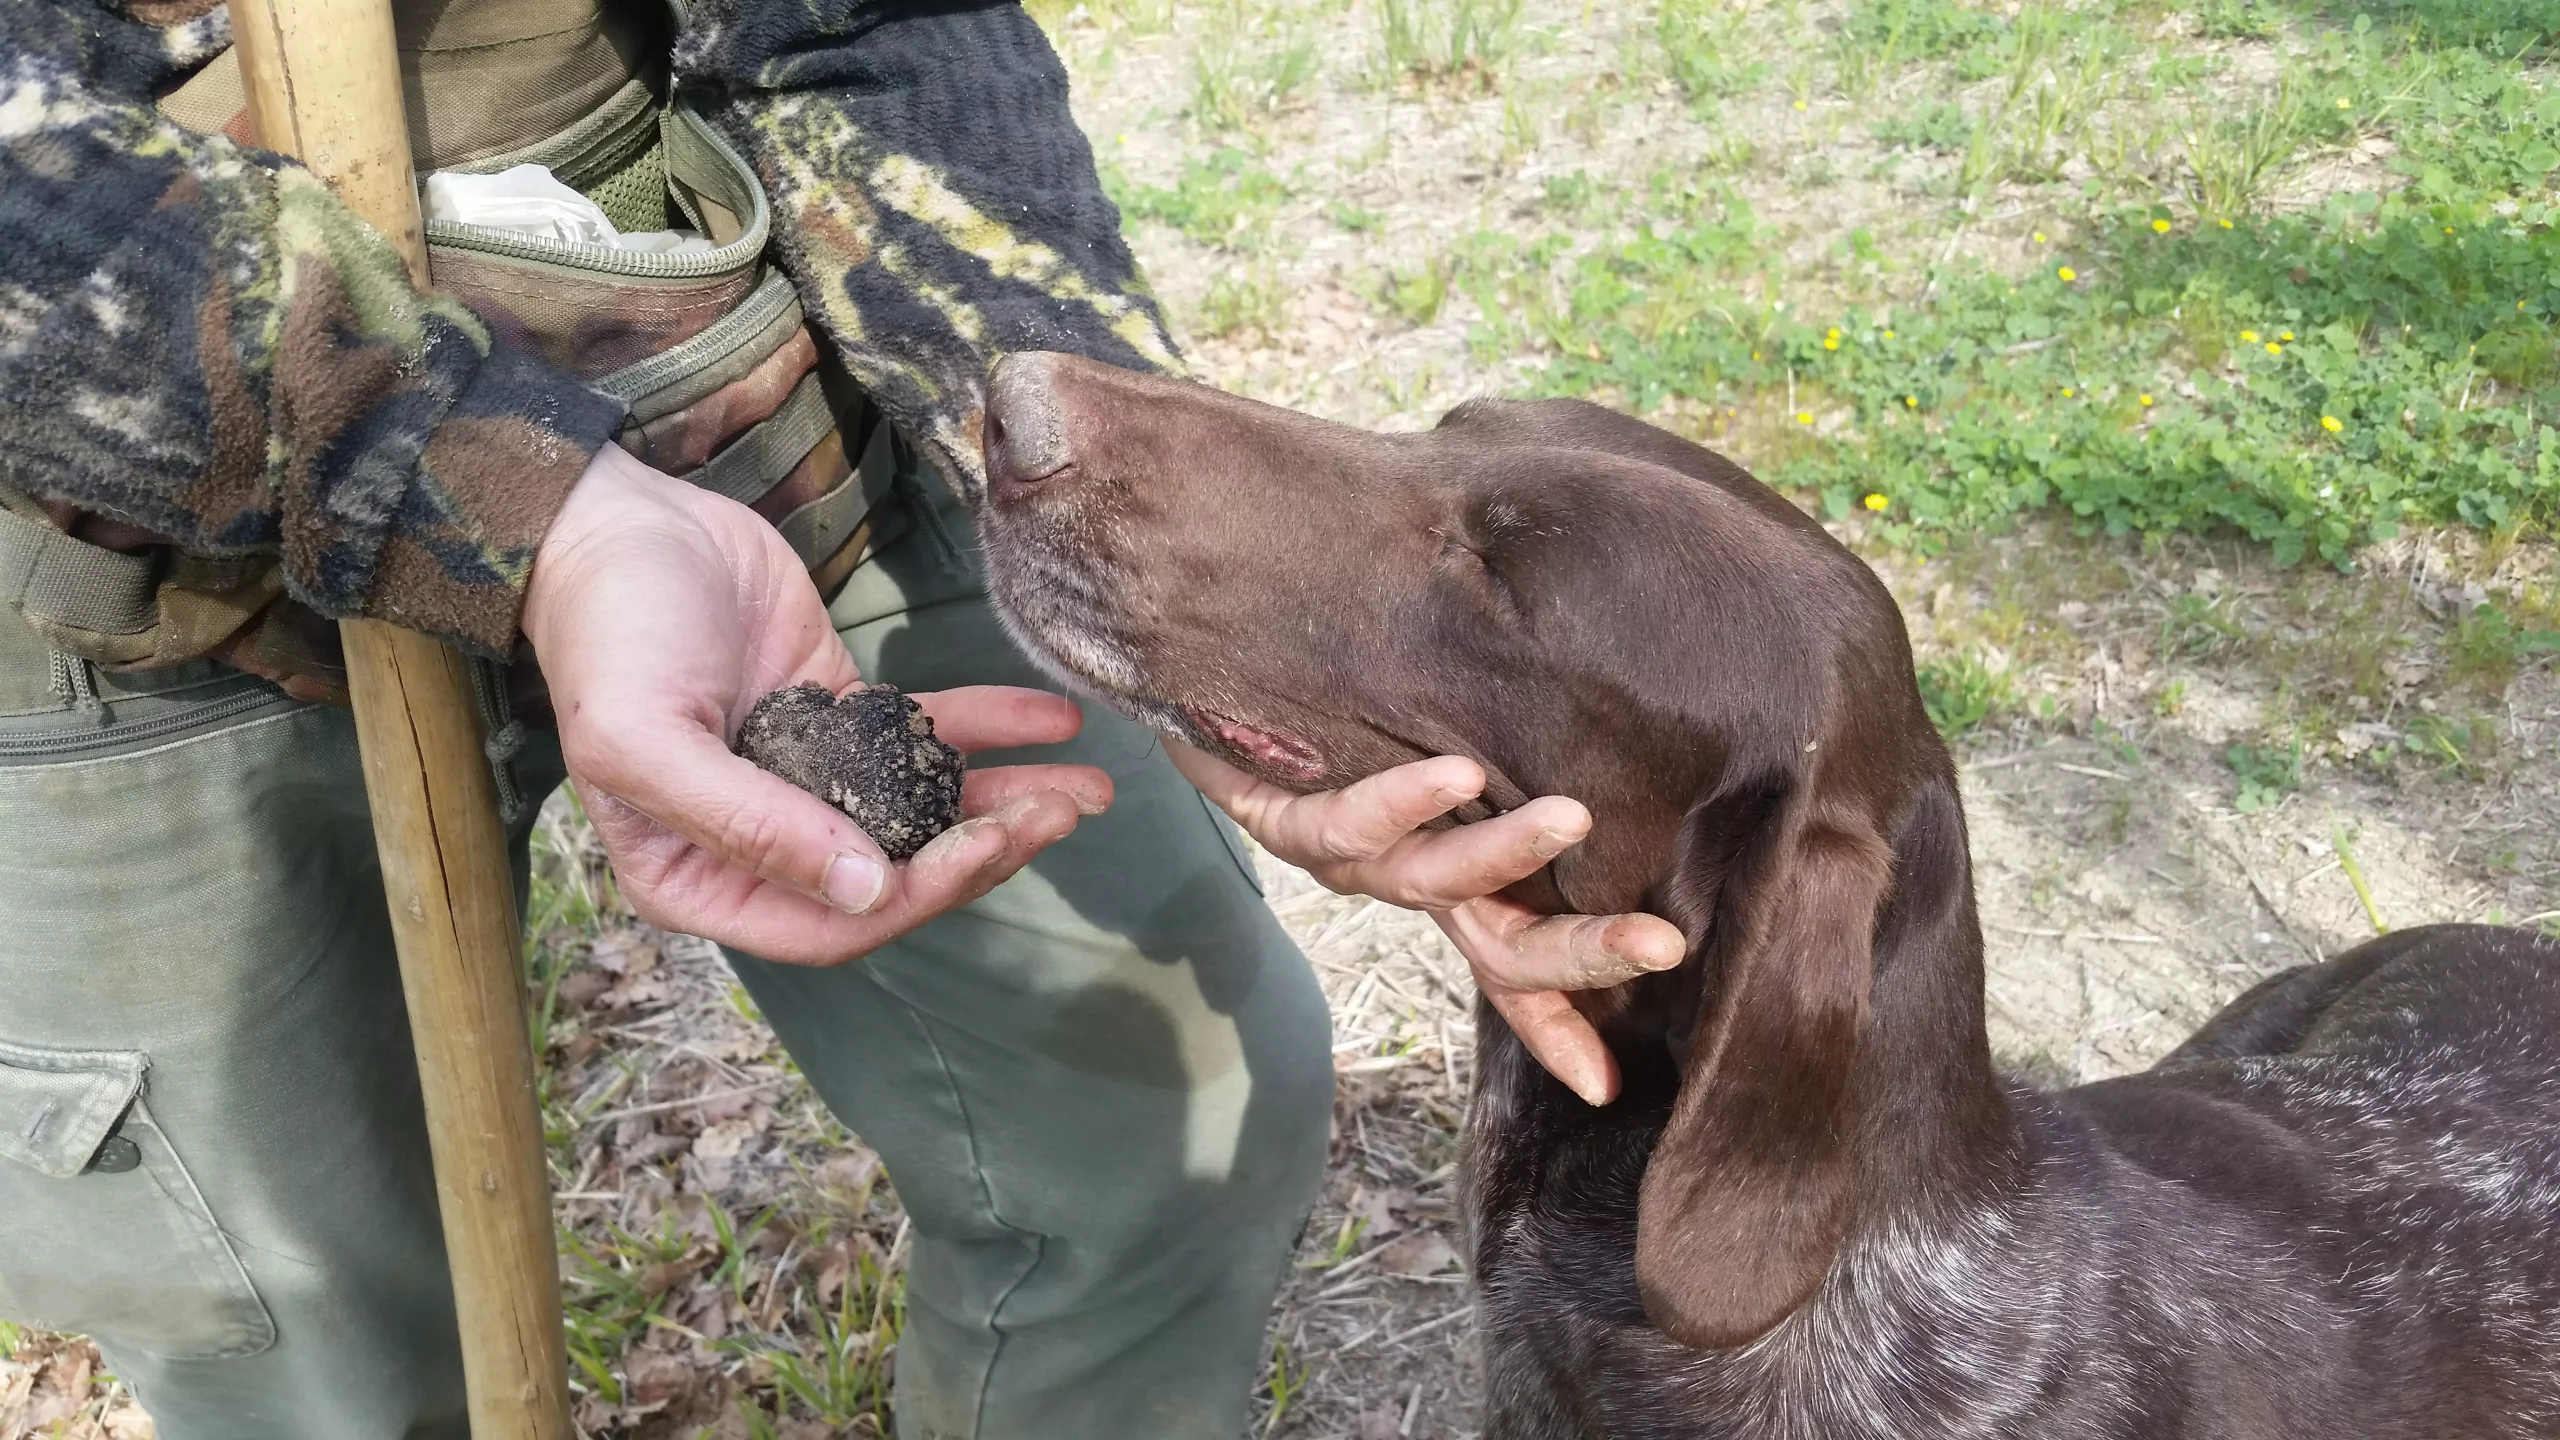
x=1816, y=1211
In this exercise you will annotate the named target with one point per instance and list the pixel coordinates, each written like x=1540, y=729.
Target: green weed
x=1234, y=81
x=2486, y=645
x=1284, y=1383
x=1358, y=219
x=2463, y=747
x=1242, y=299
x=2230, y=160
x=2238, y=19
x=1939, y=125
x=1448, y=41
x=1415, y=295
x=2200, y=626
x=1223, y=198
x=2268, y=773
x=1702, y=49
x=1961, y=693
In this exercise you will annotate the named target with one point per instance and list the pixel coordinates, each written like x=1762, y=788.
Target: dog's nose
x=1026, y=423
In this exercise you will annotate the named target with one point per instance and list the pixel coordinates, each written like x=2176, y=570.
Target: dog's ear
x=1751, y=1188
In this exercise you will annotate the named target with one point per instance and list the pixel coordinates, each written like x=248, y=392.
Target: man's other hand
x=1365, y=839
x=661, y=613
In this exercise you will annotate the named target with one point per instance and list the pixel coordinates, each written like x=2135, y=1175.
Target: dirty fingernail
x=1548, y=844
x=855, y=882
x=1450, y=797
x=1088, y=803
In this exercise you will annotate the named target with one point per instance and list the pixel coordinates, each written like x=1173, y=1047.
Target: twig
x=703, y=1099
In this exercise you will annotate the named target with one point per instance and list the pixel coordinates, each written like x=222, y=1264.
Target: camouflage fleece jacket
x=198, y=340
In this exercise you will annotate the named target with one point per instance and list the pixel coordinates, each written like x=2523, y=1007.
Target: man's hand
x=661, y=614
x=1363, y=840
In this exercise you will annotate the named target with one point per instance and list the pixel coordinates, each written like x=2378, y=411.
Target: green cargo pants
x=1102, y=1091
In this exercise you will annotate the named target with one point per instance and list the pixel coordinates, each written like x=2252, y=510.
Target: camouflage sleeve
x=932, y=195
x=198, y=339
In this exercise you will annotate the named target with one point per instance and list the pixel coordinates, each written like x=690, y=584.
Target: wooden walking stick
x=324, y=86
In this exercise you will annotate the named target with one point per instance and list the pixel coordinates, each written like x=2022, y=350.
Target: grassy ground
x=2187, y=369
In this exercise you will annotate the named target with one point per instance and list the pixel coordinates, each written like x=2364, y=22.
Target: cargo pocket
x=101, y=1230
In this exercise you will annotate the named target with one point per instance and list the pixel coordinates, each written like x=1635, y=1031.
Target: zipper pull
x=71, y=681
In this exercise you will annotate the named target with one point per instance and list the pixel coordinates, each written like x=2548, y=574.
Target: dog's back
x=2329, y=1215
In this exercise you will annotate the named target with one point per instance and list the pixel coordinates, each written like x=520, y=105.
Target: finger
x=675, y=885
x=972, y=858
x=1515, y=948
x=1432, y=870
x=997, y=717
x=1559, y=1038
x=1354, y=823
x=685, y=779
x=672, y=883
x=986, y=791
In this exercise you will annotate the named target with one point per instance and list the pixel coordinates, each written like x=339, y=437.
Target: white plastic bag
x=529, y=200
x=525, y=199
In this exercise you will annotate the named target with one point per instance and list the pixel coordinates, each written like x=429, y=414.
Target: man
x=1102, y=1088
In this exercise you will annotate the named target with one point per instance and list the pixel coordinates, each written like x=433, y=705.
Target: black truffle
x=872, y=754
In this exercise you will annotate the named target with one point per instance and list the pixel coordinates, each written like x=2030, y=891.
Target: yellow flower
x=1804, y=417
x=1889, y=334
x=2146, y=402
x=2068, y=392
x=2039, y=237
x=2274, y=349
x=2332, y=424
x=2226, y=224
x=1911, y=402
x=2160, y=227
x=2248, y=337
x=2345, y=104
x=1831, y=341
x=1799, y=104
x=1877, y=503
x=2068, y=274
x=2286, y=337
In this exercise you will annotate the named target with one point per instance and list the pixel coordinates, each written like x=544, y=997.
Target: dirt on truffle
x=871, y=754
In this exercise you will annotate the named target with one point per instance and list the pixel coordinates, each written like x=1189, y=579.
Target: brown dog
x=1816, y=1211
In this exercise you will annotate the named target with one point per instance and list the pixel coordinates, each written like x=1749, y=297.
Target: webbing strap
x=819, y=529
x=748, y=468
x=49, y=576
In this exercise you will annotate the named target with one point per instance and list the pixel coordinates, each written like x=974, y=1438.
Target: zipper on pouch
x=136, y=721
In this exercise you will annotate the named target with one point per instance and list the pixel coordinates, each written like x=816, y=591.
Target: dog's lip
x=1276, y=750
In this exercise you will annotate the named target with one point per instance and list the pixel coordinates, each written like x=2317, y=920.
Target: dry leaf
x=632, y=951
x=1381, y=1425
x=724, y=1140
x=660, y=1278
x=582, y=988
x=655, y=1147
x=1378, y=1208
x=1421, y=1253
x=658, y=1379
